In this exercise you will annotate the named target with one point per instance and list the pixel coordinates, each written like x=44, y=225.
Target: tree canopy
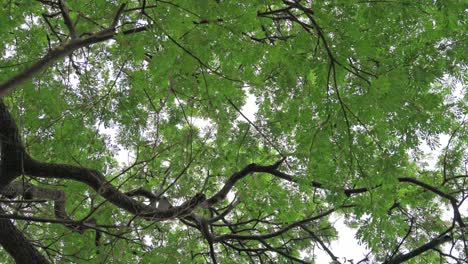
x=219, y=131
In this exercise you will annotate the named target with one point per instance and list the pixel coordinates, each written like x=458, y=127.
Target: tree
x=347, y=93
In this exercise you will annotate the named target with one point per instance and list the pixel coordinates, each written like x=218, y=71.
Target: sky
x=346, y=246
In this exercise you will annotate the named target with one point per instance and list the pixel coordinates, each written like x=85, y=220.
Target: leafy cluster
x=129, y=133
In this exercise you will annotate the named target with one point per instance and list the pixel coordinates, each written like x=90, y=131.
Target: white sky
x=346, y=246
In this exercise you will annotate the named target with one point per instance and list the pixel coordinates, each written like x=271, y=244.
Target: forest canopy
x=220, y=131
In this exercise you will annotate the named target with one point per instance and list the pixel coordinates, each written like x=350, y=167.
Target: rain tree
x=232, y=131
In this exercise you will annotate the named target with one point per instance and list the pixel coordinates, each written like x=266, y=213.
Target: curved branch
x=60, y=52
x=273, y=170
x=229, y=184
x=420, y=250
x=18, y=246
x=30, y=191
x=281, y=252
x=270, y=169
x=453, y=201
x=98, y=182
x=15, y=161
x=273, y=234
x=11, y=147
x=322, y=244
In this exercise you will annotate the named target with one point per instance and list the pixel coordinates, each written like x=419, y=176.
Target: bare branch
x=117, y=16
x=66, y=17
x=60, y=52
x=420, y=250
x=322, y=244
x=273, y=234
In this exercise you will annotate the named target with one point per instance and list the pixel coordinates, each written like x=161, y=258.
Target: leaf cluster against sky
x=347, y=92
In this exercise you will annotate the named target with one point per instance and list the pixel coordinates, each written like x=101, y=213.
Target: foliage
x=346, y=95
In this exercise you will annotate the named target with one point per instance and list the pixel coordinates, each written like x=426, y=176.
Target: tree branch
x=60, y=52
x=66, y=18
x=18, y=246
x=98, y=182
x=31, y=191
x=273, y=234
x=322, y=244
x=453, y=201
x=420, y=250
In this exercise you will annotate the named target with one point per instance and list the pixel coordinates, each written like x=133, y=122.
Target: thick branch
x=60, y=52
x=453, y=201
x=420, y=250
x=142, y=192
x=117, y=16
x=98, y=182
x=66, y=18
x=11, y=147
x=30, y=191
x=11, y=142
x=19, y=247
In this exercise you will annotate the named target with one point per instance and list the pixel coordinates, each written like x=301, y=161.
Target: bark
x=420, y=250
x=19, y=247
x=11, y=157
x=98, y=182
x=11, y=147
x=63, y=50
x=31, y=192
x=15, y=162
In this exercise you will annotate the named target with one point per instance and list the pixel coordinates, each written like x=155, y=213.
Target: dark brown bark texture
x=19, y=247
x=11, y=147
x=12, y=153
